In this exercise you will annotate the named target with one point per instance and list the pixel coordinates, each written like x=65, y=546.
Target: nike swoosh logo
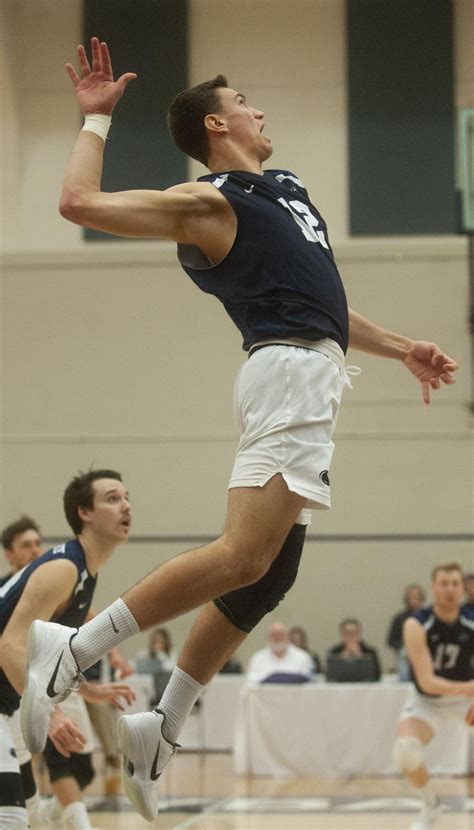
x=113, y=625
x=51, y=692
x=154, y=775
x=249, y=189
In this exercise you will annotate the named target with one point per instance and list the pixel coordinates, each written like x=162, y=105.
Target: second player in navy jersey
x=57, y=586
x=451, y=645
x=439, y=641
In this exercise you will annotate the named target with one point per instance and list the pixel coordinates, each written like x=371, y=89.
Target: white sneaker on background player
x=427, y=817
x=145, y=754
x=52, y=673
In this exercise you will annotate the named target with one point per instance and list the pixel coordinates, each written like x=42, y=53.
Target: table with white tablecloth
x=331, y=730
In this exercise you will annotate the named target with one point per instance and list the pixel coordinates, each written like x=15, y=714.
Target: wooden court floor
x=202, y=793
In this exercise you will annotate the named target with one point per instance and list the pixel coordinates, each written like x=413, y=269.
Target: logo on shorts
x=324, y=476
x=13, y=752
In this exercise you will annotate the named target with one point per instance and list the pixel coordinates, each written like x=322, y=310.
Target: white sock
x=178, y=699
x=110, y=628
x=75, y=816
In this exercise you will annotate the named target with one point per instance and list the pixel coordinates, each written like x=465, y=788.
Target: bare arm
x=423, y=359
x=184, y=213
x=48, y=588
x=420, y=658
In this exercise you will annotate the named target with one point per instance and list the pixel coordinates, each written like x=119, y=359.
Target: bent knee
x=408, y=753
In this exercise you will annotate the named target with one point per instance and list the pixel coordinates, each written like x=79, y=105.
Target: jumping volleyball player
x=253, y=239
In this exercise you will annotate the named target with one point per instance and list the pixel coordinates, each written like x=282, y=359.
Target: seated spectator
x=280, y=660
x=413, y=600
x=352, y=650
x=299, y=638
x=159, y=656
x=469, y=588
x=159, y=661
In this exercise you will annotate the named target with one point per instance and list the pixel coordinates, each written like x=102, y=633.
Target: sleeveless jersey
x=451, y=645
x=74, y=615
x=279, y=279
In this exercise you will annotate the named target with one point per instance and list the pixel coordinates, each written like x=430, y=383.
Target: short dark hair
x=187, y=113
x=22, y=524
x=80, y=493
x=349, y=621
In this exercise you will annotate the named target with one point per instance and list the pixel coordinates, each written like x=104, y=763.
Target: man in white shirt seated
x=280, y=660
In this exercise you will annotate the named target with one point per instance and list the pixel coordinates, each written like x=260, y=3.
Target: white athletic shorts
x=10, y=757
x=435, y=711
x=286, y=400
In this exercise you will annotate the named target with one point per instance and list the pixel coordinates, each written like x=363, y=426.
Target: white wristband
x=98, y=123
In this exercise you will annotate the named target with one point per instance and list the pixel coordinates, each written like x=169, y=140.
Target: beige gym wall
x=111, y=357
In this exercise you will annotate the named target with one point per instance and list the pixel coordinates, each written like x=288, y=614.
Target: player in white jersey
x=439, y=641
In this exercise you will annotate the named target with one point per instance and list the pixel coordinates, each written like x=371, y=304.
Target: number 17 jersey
x=279, y=279
x=451, y=645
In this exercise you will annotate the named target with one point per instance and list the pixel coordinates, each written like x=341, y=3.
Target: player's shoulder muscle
x=198, y=195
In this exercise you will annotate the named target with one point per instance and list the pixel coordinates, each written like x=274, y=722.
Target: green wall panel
x=401, y=117
x=148, y=37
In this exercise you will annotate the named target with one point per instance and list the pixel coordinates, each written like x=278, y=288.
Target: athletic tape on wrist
x=98, y=123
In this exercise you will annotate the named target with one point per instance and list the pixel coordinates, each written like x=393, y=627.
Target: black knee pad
x=29, y=785
x=77, y=766
x=246, y=606
x=82, y=769
x=11, y=790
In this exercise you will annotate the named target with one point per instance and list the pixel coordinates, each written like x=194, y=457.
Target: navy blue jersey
x=74, y=615
x=5, y=578
x=279, y=279
x=451, y=645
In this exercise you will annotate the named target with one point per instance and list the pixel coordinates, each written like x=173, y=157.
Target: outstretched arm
x=423, y=359
x=183, y=213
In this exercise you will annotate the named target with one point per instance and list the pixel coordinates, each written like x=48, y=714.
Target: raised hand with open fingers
x=96, y=90
x=432, y=368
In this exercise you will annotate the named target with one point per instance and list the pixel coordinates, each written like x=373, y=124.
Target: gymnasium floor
x=202, y=793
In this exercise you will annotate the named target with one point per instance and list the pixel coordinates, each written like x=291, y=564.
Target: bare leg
x=66, y=790
x=210, y=643
x=258, y=522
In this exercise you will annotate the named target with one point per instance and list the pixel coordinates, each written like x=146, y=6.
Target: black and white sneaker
x=145, y=755
x=52, y=674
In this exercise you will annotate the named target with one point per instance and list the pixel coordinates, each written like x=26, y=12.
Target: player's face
x=245, y=123
x=25, y=547
x=110, y=518
x=448, y=589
